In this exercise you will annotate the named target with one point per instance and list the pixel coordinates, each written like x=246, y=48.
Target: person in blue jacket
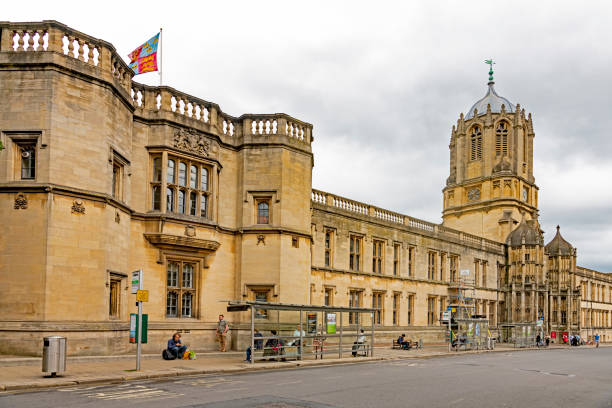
x=176, y=346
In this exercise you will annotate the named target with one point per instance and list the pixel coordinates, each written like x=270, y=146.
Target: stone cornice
x=169, y=241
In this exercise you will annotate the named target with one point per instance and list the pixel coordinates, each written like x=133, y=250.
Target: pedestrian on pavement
x=176, y=346
x=596, y=340
x=222, y=328
x=258, y=345
x=538, y=340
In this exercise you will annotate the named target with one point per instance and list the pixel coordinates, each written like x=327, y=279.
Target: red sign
x=553, y=335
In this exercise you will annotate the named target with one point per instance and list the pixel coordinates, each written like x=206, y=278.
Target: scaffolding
x=466, y=329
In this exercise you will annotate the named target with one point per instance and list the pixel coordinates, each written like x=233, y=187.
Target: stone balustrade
x=99, y=58
x=52, y=37
x=333, y=201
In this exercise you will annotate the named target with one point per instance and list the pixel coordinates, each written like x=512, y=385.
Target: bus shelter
x=291, y=331
x=470, y=333
x=521, y=334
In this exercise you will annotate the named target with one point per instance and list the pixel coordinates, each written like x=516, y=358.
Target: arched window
x=476, y=144
x=501, y=139
x=263, y=212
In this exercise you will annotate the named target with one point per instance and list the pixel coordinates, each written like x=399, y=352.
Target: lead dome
x=493, y=99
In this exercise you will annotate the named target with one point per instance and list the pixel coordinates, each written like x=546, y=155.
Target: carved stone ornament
x=21, y=202
x=117, y=217
x=262, y=239
x=191, y=141
x=78, y=207
x=190, y=231
x=474, y=194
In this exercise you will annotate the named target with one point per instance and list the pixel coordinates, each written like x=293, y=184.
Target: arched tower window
x=476, y=144
x=501, y=139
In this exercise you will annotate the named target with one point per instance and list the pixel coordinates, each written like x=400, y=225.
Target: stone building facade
x=100, y=176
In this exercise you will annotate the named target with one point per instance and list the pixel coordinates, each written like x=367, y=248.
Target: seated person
x=176, y=346
x=274, y=346
x=258, y=343
x=296, y=333
x=360, y=340
x=403, y=342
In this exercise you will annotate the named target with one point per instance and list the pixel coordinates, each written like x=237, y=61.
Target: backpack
x=166, y=355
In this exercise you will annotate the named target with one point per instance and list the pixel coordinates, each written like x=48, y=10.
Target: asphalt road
x=574, y=378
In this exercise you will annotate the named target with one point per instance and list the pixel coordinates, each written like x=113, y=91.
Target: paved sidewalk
x=21, y=373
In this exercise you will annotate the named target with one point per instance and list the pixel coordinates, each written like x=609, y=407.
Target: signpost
x=137, y=289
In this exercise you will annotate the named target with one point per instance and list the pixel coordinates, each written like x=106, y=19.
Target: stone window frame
x=432, y=264
x=431, y=310
x=116, y=281
x=453, y=273
x=411, y=260
x=179, y=290
x=18, y=141
x=378, y=256
x=119, y=165
x=255, y=290
x=378, y=303
x=476, y=151
x=397, y=307
x=502, y=138
x=410, y=308
x=161, y=189
x=397, y=258
x=355, y=294
x=328, y=295
x=355, y=252
x=329, y=244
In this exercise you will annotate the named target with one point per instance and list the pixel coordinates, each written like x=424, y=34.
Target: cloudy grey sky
x=383, y=83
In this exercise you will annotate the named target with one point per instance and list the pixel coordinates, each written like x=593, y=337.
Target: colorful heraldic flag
x=144, y=58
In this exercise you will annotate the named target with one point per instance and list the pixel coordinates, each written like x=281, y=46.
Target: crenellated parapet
x=50, y=43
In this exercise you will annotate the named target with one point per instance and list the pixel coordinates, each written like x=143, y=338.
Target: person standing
x=596, y=340
x=222, y=328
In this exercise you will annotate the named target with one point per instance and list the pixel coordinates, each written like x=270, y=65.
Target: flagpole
x=161, y=59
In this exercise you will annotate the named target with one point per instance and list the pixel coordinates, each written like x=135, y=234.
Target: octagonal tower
x=491, y=178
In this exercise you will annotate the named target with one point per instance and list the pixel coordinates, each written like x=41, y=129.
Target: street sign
x=142, y=296
x=464, y=272
x=446, y=316
x=136, y=281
